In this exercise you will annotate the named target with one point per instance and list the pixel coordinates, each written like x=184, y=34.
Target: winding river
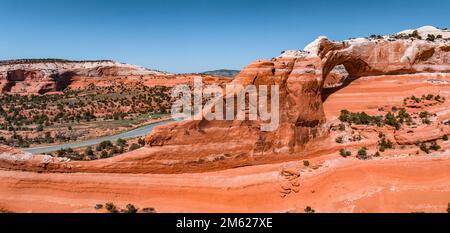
x=138, y=132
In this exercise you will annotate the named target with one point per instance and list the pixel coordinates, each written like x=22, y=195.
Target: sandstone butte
x=232, y=166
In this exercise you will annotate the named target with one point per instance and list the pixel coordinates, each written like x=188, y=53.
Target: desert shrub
x=105, y=145
x=384, y=144
x=445, y=137
x=141, y=141
x=309, y=209
x=89, y=151
x=345, y=153
x=431, y=37
x=434, y=146
x=439, y=98
x=415, y=34
x=339, y=139
x=134, y=146
x=305, y=163
x=131, y=209
x=356, y=138
x=148, y=210
x=104, y=154
x=362, y=154
x=390, y=119
x=98, y=206
x=110, y=207
x=424, y=114
x=121, y=142
x=424, y=148
x=341, y=127
x=376, y=36
x=403, y=115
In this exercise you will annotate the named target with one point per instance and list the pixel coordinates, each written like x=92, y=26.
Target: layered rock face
x=42, y=76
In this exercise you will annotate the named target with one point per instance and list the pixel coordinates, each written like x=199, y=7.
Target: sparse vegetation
x=424, y=148
x=134, y=146
x=359, y=118
x=415, y=34
x=345, y=153
x=76, y=114
x=309, y=209
x=362, y=154
x=429, y=97
x=384, y=144
x=148, y=210
x=339, y=139
x=362, y=118
x=376, y=37
x=306, y=163
x=111, y=208
x=432, y=146
x=431, y=37
x=129, y=208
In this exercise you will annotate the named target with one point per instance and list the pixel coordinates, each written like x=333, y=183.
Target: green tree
x=40, y=128
x=89, y=151
x=362, y=153
x=131, y=209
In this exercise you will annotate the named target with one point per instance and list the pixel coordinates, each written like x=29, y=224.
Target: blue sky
x=194, y=36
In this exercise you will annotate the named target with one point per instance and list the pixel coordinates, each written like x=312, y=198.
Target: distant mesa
x=39, y=76
x=223, y=72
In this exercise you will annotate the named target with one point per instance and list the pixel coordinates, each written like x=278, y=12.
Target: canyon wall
x=35, y=76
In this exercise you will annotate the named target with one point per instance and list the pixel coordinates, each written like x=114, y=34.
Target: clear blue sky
x=194, y=36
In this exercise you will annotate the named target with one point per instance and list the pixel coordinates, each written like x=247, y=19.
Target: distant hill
x=223, y=72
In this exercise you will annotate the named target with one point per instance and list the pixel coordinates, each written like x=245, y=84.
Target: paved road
x=141, y=131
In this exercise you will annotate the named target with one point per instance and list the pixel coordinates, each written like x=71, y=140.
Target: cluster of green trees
x=362, y=118
x=423, y=98
x=105, y=149
x=428, y=147
x=384, y=143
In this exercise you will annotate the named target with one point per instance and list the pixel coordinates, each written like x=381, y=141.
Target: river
x=138, y=132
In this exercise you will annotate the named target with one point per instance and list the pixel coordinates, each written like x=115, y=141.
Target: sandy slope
x=342, y=185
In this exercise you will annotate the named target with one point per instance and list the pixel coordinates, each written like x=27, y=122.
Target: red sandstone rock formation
x=301, y=76
x=42, y=76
